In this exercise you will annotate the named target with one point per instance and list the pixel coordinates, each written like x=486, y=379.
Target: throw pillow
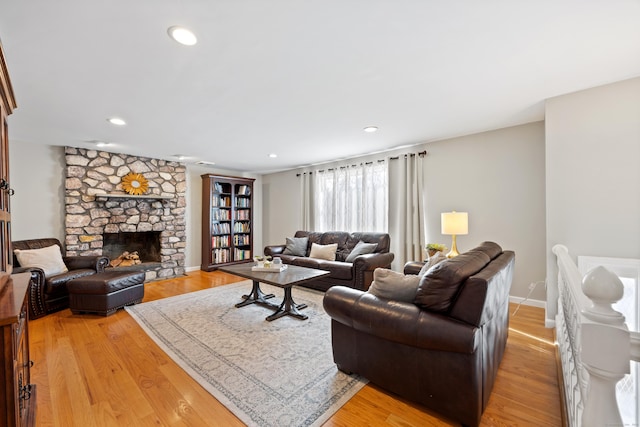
x=48, y=259
x=433, y=260
x=361, y=248
x=327, y=252
x=296, y=246
x=395, y=286
x=439, y=286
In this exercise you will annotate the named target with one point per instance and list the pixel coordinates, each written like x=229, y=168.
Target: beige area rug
x=278, y=373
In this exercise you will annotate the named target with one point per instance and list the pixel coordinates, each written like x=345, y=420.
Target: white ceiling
x=301, y=78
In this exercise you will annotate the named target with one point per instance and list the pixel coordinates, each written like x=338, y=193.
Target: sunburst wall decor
x=135, y=184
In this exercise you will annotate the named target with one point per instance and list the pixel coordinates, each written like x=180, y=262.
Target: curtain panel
x=407, y=213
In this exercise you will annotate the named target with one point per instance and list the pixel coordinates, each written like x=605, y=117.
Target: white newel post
x=605, y=347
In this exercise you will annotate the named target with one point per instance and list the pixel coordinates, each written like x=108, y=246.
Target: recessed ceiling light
x=273, y=155
x=180, y=156
x=116, y=121
x=205, y=163
x=182, y=35
x=99, y=143
x=370, y=129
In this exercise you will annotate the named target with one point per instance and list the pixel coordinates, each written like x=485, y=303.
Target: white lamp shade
x=454, y=223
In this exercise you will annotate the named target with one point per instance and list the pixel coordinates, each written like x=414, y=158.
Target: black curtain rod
x=421, y=154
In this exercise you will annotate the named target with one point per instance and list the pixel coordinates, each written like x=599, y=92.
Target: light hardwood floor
x=105, y=371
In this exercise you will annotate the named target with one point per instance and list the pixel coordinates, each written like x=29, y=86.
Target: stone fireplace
x=100, y=219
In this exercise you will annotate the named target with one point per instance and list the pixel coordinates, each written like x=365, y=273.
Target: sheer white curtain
x=407, y=214
x=351, y=198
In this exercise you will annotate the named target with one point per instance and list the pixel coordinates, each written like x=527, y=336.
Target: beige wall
x=37, y=175
x=498, y=177
x=593, y=173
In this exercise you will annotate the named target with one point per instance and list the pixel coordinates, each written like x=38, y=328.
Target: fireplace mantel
x=132, y=196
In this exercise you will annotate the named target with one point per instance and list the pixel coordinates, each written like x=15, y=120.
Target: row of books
x=221, y=228
x=221, y=215
x=242, y=202
x=243, y=214
x=242, y=254
x=243, y=190
x=241, y=227
x=220, y=256
x=241, y=240
x=220, y=241
x=218, y=201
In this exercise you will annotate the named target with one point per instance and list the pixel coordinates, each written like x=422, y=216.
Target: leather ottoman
x=104, y=293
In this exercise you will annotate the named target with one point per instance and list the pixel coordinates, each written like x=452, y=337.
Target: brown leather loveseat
x=443, y=349
x=356, y=273
x=49, y=294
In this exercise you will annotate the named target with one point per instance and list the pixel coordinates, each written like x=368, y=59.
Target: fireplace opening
x=145, y=243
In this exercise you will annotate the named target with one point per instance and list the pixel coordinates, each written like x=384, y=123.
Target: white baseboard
x=190, y=269
x=531, y=302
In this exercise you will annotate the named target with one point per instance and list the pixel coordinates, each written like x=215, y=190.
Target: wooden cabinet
x=227, y=220
x=17, y=394
x=7, y=105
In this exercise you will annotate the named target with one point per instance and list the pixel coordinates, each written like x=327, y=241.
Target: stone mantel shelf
x=132, y=196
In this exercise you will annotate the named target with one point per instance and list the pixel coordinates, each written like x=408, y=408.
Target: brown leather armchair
x=445, y=357
x=49, y=294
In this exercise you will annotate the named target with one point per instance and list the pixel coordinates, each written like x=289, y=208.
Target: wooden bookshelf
x=227, y=220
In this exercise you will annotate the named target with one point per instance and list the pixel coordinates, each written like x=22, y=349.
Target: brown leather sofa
x=50, y=294
x=357, y=274
x=446, y=357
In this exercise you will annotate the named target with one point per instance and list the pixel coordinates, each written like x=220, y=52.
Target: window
x=352, y=198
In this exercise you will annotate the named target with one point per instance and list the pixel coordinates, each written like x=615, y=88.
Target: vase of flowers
x=434, y=248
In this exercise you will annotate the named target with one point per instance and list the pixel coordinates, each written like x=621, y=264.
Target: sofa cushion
x=327, y=252
x=49, y=259
x=439, y=286
x=296, y=246
x=395, y=286
x=361, y=248
x=433, y=260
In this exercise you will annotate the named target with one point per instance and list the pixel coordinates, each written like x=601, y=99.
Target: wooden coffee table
x=293, y=275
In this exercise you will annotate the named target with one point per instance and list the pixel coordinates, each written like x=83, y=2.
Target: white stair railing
x=594, y=342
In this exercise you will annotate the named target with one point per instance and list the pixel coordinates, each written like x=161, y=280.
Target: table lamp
x=454, y=223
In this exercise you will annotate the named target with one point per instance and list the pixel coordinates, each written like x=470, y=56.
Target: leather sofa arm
x=97, y=263
x=274, y=250
x=364, y=265
x=400, y=322
x=36, y=290
x=413, y=267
